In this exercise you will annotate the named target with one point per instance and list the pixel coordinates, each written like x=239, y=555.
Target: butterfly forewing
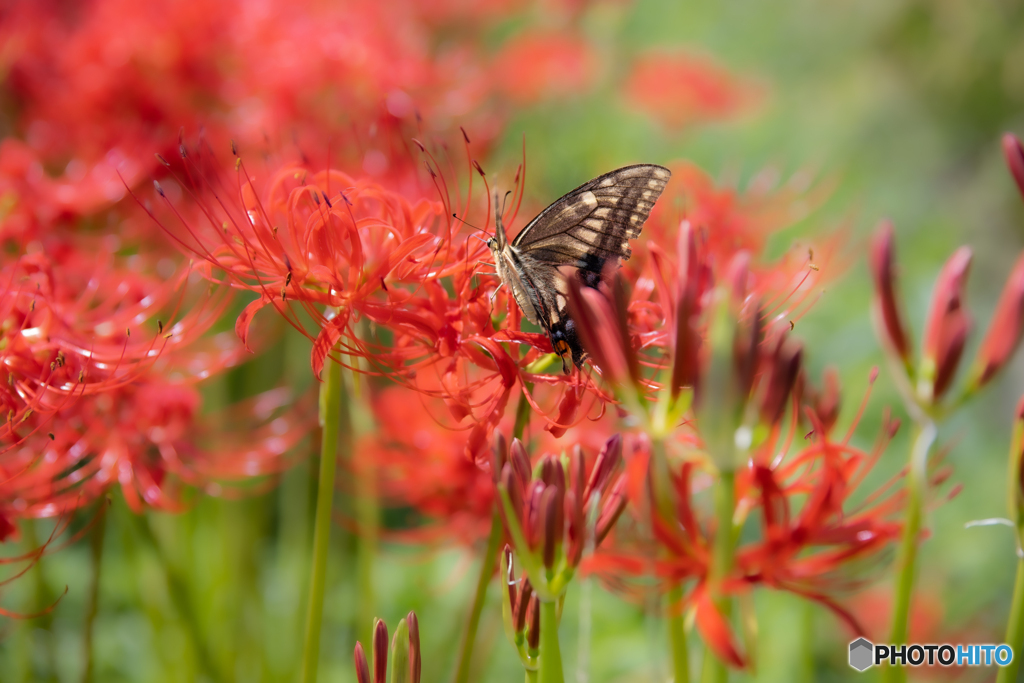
x=585, y=229
x=595, y=222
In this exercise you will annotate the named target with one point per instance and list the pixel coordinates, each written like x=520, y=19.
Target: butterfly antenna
x=467, y=223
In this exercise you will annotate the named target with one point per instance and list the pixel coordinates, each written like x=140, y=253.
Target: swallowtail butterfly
x=585, y=230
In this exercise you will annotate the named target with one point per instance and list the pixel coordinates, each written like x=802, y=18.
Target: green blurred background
x=900, y=102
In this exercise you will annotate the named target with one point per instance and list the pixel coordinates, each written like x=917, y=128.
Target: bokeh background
x=887, y=108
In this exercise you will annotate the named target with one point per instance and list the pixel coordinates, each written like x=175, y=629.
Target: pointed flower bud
x=686, y=346
x=826, y=403
x=522, y=610
x=509, y=574
x=948, y=324
x=600, y=316
x=520, y=462
x=611, y=510
x=415, y=661
x=400, y=653
x=380, y=651
x=510, y=482
x=887, y=305
x=362, y=667
x=533, y=611
x=534, y=515
x=604, y=467
x=780, y=375
x=499, y=455
x=1014, y=152
x=552, y=504
x=1004, y=333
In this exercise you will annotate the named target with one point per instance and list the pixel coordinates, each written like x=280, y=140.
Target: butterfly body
x=577, y=235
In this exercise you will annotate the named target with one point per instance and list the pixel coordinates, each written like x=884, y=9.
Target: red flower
x=534, y=66
x=99, y=391
x=681, y=89
x=812, y=537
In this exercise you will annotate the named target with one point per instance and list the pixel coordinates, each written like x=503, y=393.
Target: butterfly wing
x=594, y=223
x=584, y=229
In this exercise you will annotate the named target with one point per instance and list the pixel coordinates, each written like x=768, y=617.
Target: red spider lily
x=809, y=527
x=532, y=66
x=680, y=89
x=103, y=87
x=90, y=404
x=353, y=251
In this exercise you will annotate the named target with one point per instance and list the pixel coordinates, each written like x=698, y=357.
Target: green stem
x=550, y=650
x=93, y=604
x=716, y=671
x=479, y=597
x=907, y=558
x=331, y=392
x=1014, y=629
x=178, y=589
x=531, y=676
x=368, y=519
x=677, y=636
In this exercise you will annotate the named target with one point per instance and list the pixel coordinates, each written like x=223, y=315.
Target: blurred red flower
x=540, y=65
x=98, y=390
x=682, y=89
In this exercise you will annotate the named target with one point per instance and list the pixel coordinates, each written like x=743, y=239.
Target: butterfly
x=586, y=229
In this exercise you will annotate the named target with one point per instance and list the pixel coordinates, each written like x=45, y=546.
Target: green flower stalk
x=1015, y=622
x=925, y=386
x=331, y=411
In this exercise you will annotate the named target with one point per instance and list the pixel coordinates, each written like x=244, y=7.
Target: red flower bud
x=610, y=511
x=1007, y=324
x=576, y=531
x=415, y=662
x=686, y=347
x=533, y=637
x=552, y=505
x=783, y=366
x=510, y=482
x=948, y=324
x=600, y=317
x=826, y=403
x=510, y=576
x=551, y=472
x=521, y=463
x=1014, y=152
x=534, y=514
x=362, y=667
x=526, y=596
x=886, y=303
x=380, y=651
x=499, y=455
x=607, y=461
x=746, y=344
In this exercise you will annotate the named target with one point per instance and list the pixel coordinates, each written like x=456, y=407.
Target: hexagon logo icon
x=861, y=654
